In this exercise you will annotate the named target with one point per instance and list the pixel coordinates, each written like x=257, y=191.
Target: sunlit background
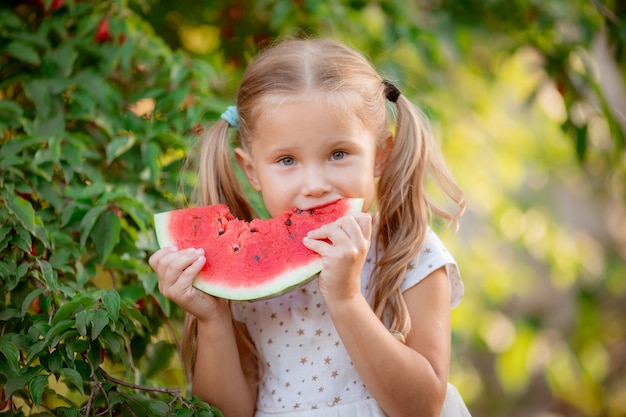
x=528, y=101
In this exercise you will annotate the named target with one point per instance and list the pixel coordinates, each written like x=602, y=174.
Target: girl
x=370, y=336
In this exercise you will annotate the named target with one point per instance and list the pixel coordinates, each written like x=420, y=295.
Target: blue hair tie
x=231, y=116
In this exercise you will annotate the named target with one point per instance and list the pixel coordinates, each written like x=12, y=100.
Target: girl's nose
x=315, y=183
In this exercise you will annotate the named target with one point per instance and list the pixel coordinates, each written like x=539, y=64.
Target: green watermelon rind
x=161, y=220
x=281, y=284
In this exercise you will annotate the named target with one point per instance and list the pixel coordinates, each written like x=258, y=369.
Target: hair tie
x=392, y=92
x=231, y=116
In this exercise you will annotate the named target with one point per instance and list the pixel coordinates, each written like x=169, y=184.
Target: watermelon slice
x=249, y=260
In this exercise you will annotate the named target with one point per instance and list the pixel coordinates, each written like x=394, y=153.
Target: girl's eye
x=337, y=155
x=287, y=161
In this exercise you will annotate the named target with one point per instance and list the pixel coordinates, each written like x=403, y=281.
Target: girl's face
x=304, y=154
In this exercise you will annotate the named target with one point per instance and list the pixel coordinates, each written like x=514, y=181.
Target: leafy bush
x=92, y=107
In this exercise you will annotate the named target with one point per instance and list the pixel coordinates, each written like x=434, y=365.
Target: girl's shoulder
x=433, y=256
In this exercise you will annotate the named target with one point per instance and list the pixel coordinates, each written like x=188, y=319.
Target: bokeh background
x=527, y=98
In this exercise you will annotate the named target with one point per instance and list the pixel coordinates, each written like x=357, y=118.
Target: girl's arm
x=405, y=379
x=218, y=376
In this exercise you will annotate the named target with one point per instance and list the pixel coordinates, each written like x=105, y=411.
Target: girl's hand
x=176, y=270
x=343, y=246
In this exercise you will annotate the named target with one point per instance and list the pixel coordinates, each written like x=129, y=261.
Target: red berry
x=35, y=306
x=140, y=303
x=102, y=33
x=4, y=401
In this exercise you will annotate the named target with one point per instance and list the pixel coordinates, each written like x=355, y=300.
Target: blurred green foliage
x=527, y=98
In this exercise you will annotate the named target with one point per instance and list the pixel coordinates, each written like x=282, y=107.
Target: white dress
x=307, y=371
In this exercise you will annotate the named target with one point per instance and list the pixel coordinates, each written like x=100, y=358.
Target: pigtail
x=216, y=183
x=404, y=210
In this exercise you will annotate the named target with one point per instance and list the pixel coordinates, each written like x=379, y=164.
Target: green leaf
x=74, y=377
x=15, y=146
x=48, y=274
x=99, y=321
x=9, y=350
x=160, y=358
x=23, y=52
x=37, y=386
x=159, y=408
x=134, y=314
x=78, y=304
x=88, y=222
x=22, y=210
x=39, y=92
x=4, y=231
x=20, y=381
x=8, y=314
x=10, y=112
x=55, y=361
x=36, y=349
x=107, y=230
x=111, y=300
x=52, y=124
x=10, y=20
x=59, y=328
x=81, y=322
x=112, y=341
x=63, y=58
x=184, y=412
x=118, y=146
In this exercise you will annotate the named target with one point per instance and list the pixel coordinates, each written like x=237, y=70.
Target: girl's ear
x=245, y=163
x=382, y=155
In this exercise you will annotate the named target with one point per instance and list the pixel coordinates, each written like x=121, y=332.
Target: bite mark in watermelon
x=249, y=260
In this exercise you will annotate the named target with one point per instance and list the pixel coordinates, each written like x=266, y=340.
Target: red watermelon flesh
x=249, y=260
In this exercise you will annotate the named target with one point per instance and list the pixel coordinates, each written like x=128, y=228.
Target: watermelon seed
x=288, y=222
x=310, y=211
x=221, y=232
x=256, y=258
x=235, y=248
x=253, y=230
x=299, y=211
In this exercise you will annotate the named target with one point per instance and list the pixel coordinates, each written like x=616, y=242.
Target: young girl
x=370, y=336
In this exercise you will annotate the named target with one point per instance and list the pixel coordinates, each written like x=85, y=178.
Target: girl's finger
x=179, y=261
x=157, y=256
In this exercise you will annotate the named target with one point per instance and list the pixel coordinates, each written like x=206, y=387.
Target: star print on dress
x=306, y=365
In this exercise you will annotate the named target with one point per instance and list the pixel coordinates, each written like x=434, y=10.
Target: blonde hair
x=299, y=66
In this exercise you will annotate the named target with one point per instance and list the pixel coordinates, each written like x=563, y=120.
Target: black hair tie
x=392, y=92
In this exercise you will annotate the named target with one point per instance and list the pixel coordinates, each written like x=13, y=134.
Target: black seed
x=256, y=258
x=253, y=230
x=310, y=211
x=299, y=211
x=288, y=222
x=219, y=220
x=235, y=248
x=221, y=232
x=196, y=217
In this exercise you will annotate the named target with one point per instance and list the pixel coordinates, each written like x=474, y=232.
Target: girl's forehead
x=331, y=104
x=306, y=124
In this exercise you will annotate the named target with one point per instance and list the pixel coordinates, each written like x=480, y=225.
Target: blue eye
x=287, y=161
x=337, y=155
